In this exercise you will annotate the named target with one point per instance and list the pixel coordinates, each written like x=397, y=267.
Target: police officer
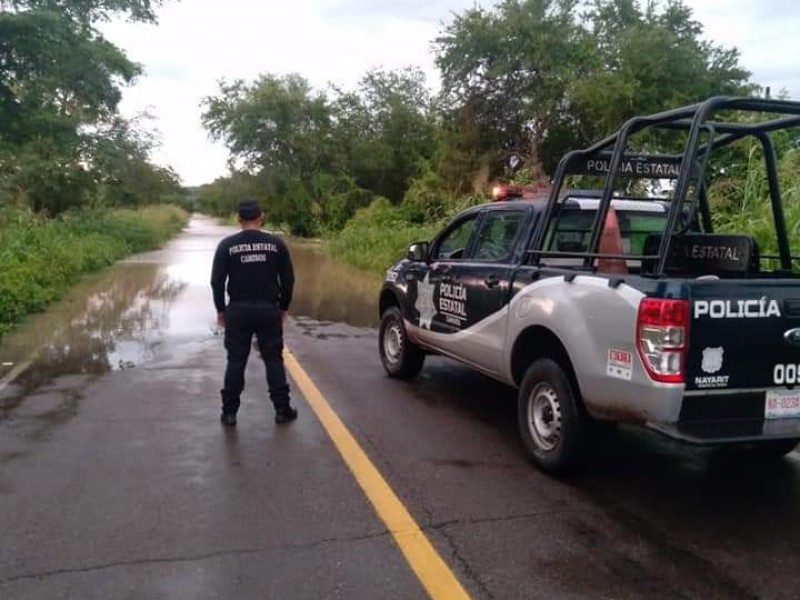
x=260, y=277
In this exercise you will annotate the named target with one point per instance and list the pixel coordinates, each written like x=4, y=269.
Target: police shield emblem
x=712, y=360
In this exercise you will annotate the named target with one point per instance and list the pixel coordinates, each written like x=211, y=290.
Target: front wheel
x=551, y=423
x=400, y=356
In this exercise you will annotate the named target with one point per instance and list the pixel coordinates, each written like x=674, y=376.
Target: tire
x=401, y=358
x=552, y=423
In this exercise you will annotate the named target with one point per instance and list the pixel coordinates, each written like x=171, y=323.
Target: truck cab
x=622, y=303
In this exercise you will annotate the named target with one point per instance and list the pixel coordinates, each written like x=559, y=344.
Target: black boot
x=285, y=414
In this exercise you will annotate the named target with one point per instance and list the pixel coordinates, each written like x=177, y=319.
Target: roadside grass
x=377, y=236
x=40, y=259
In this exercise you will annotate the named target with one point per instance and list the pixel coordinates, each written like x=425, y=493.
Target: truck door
x=470, y=292
x=488, y=273
x=448, y=253
x=483, y=288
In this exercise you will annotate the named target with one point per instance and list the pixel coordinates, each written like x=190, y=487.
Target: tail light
x=662, y=332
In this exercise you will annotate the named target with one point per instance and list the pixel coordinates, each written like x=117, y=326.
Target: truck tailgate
x=744, y=335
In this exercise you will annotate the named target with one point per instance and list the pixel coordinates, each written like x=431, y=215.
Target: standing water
x=152, y=304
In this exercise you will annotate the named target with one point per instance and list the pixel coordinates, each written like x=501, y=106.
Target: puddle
x=110, y=320
x=148, y=306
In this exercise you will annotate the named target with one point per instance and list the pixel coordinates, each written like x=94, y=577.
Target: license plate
x=782, y=404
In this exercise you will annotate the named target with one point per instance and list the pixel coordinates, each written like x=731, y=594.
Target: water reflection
x=109, y=322
x=331, y=291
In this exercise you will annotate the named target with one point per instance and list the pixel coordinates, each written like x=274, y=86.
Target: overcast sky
x=197, y=42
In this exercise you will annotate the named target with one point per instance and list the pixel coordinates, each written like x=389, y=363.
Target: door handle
x=491, y=281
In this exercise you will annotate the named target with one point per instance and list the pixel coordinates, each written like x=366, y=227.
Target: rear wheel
x=552, y=424
x=400, y=356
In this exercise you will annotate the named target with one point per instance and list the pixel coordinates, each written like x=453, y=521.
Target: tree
x=316, y=159
x=87, y=12
x=60, y=86
x=121, y=167
x=221, y=197
x=275, y=122
x=648, y=61
x=385, y=130
x=510, y=69
x=538, y=77
x=278, y=130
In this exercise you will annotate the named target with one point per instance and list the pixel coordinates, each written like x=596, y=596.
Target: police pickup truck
x=622, y=304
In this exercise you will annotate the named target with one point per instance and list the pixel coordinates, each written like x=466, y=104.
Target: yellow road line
x=435, y=576
x=14, y=373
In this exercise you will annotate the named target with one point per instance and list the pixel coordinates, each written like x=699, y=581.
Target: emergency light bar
x=528, y=192
x=505, y=192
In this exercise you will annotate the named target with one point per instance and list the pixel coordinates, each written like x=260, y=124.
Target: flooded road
x=151, y=304
x=328, y=290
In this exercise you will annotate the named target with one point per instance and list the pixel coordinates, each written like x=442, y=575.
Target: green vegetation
x=314, y=159
x=377, y=235
x=77, y=188
x=41, y=258
x=378, y=166
x=741, y=201
x=63, y=143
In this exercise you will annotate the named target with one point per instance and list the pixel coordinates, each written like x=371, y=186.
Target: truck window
x=571, y=232
x=497, y=235
x=453, y=245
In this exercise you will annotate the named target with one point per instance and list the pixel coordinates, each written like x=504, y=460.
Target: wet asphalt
x=117, y=480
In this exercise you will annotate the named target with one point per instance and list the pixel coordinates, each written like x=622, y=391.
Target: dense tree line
x=322, y=155
x=62, y=141
x=521, y=83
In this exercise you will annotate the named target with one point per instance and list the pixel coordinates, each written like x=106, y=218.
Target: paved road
x=117, y=481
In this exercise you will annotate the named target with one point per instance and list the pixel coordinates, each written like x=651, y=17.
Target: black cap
x=249, y=210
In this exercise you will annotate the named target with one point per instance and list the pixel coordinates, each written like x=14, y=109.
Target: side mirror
x=417, y=251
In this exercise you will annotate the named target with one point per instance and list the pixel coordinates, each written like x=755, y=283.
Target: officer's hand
x=221, y=319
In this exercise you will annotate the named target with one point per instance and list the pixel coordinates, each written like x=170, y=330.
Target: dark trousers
x=242, y=321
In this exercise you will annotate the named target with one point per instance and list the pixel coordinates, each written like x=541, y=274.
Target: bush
x=377, y=236
x=426, y=201
x=338, y=198
x=429, y=201
x=40, y=258
x=139, y=230
x=742, y=204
